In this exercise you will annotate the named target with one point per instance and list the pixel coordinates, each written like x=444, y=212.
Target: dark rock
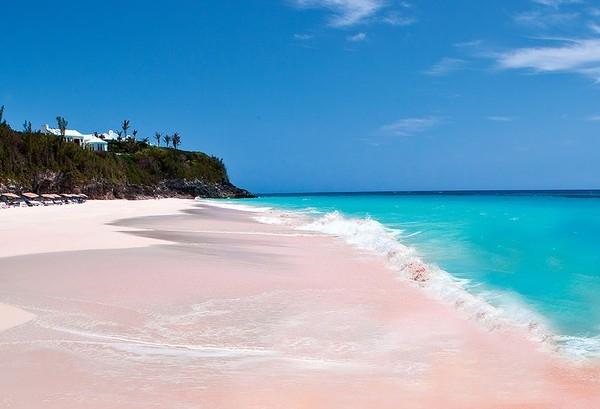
x=53, y=182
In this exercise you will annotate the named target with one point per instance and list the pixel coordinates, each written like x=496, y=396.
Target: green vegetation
x=27, y=157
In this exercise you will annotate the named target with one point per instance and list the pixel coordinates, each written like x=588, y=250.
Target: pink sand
x=206, y=308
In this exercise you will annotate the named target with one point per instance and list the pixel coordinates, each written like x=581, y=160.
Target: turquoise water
x=543, y=249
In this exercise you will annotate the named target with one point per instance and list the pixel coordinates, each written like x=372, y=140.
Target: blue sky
x=326, y=95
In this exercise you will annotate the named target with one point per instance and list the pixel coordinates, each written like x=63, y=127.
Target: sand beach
x=178, y=304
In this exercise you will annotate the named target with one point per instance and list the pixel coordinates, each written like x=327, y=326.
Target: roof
x=113, y=136
x=92, y=139
x=68, y=132
x=10, y=195
x=87, y=138
x=31, y=195
x=48, y=196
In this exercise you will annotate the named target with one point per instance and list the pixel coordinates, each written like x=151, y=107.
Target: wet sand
x=192, y=306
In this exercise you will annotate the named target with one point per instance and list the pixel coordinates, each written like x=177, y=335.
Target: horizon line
x=436, y=191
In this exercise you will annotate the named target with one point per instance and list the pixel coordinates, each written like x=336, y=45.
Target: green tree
x=62, y=126
x=134, y=134
x=176, y=140
x=157, y=136
x=125, y=126
x=167, y=139
x=27, y=127
x=1, y=114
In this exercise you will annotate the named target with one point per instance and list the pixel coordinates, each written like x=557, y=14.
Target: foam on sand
x=493, y=309
x=11, y=316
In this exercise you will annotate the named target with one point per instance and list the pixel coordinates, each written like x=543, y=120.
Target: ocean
x=529, y=257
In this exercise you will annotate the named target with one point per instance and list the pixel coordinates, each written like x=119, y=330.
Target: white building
x=88, y=141
x=111, y=136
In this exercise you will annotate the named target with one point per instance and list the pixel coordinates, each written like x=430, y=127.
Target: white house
x=96, y=144
x=110, y=136
x=88, y=141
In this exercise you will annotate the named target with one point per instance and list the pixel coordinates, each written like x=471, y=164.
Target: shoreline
x=439, y=284
x=186, y=303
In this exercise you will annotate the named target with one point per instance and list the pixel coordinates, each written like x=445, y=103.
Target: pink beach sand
x=179, y=306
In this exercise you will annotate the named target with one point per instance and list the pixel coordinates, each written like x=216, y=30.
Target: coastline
x=368, y=234
x=181, y=303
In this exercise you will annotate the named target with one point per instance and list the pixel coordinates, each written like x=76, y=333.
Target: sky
x=326, y=95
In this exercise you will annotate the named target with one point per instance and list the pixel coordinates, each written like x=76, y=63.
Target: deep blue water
x=542, y=247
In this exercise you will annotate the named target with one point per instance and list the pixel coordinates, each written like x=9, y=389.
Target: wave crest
x=493, y=309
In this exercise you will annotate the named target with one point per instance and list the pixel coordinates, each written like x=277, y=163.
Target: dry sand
x=189, y=306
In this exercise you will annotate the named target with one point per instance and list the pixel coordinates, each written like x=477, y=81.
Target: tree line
x=173, y=140
x=32, y=160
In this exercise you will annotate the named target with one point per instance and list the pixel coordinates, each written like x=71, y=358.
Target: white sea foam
x=493, y=309
x=370, y=235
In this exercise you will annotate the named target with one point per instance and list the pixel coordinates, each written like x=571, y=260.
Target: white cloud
x=497, y=118
x=556, y=3
x=575, y=56
x=593, y=118
x=303, y=37
x=544, y=19
x=410, y=126
x=397, y=19
x=346, y=12
x=357, y=38
x=594, y=27
x=445, y=66
x=468, y=44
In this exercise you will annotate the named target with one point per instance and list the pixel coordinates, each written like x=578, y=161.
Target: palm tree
x=146, y=140
x=1, y=114
x=157, y=136
x=27, y=127
x=167, y=139
x=125, y=127
x=120, y=137
x=176, y=140
x=62, y=125
x=134, y=133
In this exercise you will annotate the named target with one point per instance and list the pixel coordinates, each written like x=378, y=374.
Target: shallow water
x=534, y=251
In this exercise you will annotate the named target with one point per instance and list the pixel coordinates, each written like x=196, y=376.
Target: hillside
x=31, y=161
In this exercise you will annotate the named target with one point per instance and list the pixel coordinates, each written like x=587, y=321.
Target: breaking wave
x=493, y=309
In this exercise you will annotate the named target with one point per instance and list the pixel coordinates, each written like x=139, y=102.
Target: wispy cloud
x=556, y=3
x=303, y=36
x=498, y=118
x=346, y=13
x=545, y=19
x=410, y=126
x=357, y=38
x=445, y=66
x=593, y=118
x=398, y=19
x=580, y=56
x=468, y=44
x=594, y=27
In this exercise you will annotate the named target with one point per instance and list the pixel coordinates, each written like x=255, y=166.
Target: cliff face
x=131, y=170
x=50, y=182
x=180, y=188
